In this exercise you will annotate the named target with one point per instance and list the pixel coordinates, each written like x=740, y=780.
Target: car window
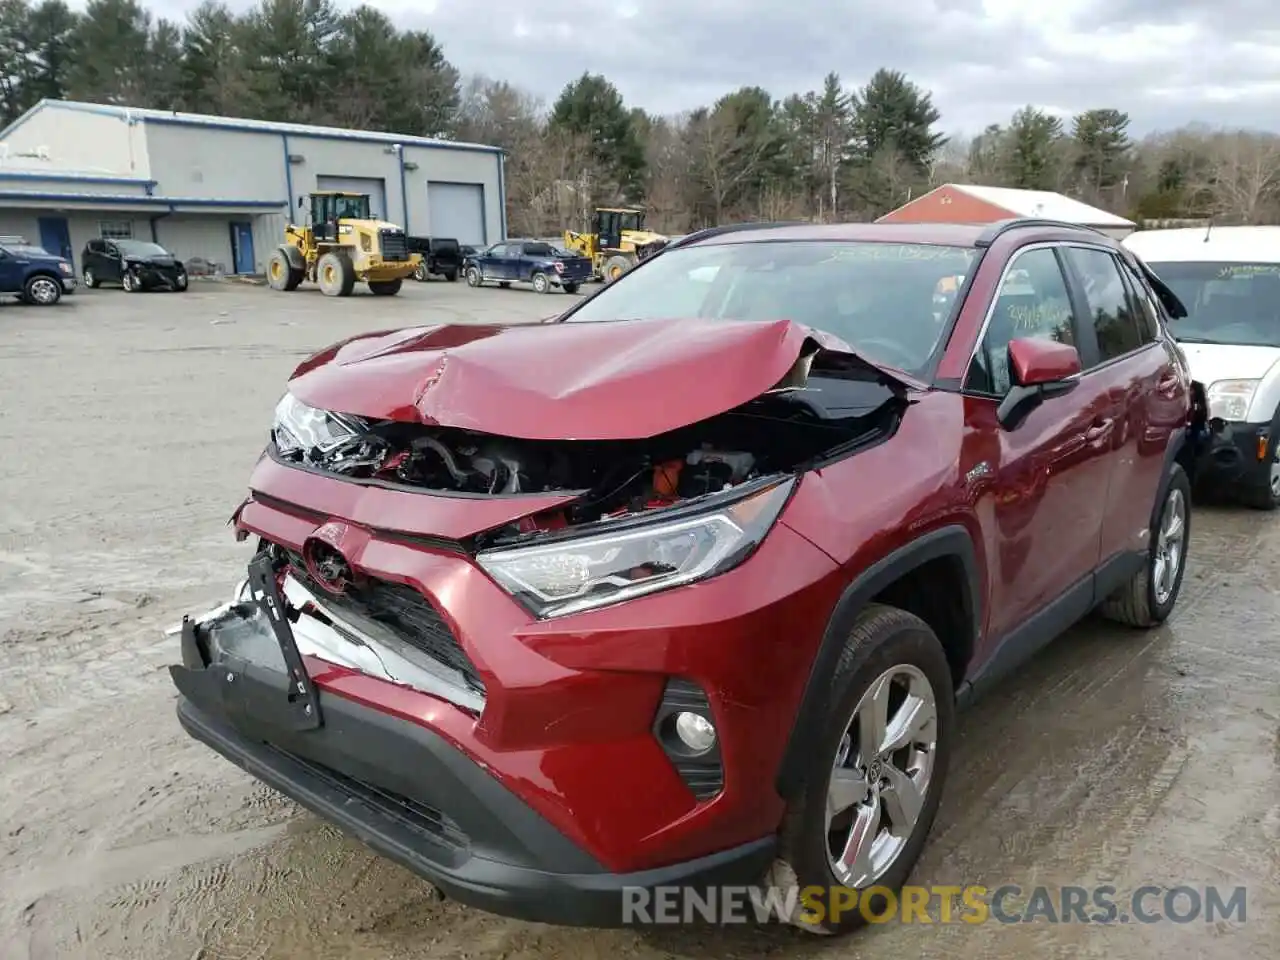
x=95, y=246
x=1032, y=301
x=538, y=250
x=878, y=297
x=1145, y=305
x=1229, y=303
x=498, y=250
x=1115, y=321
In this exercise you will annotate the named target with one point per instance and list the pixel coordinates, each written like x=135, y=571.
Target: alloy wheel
x=1170, y=543
x=44, y=290
x=88, y=278
x=882, y=774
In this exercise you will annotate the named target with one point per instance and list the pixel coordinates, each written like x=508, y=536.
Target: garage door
x=457, y=210
x=375, y=188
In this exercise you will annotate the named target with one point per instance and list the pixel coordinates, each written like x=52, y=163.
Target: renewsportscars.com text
x=972, y=904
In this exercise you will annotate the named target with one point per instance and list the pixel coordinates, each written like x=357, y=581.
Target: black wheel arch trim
x=952, y=541
x=1179, y=441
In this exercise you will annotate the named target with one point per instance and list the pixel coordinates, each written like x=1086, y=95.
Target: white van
x=1229, y=280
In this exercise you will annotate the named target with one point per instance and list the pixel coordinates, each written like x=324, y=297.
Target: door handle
x=1100, y=430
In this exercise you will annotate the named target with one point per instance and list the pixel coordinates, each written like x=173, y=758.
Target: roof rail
x=1001, y=227
x=710, y=232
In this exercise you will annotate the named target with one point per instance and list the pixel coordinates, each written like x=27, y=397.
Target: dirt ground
x=129, y=427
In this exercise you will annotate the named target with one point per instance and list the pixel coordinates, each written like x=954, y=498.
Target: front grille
x=411, y=813
x=394, y=245
x=402, y=609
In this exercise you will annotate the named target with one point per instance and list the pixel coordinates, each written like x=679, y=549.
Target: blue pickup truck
x=32, y=274
x=527, y=261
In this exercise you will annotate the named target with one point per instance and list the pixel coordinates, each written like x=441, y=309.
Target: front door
x=10, y=273
x=242, y=247
x=497, y=263
x=1044, y=479
x=111, y=264
x=55, y=236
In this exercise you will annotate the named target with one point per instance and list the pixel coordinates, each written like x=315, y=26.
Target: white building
x=221, y=189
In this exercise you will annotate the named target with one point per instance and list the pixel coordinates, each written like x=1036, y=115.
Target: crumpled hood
x=625, y=380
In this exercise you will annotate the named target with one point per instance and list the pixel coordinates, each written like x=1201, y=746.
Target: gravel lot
x=130, y=425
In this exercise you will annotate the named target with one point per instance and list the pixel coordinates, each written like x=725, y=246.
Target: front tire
x=43, y=291
x=1149, y=598
x=336, y=275
x=385, y=288
x=90, y=280
x=129, y=280
x=473, y=276
x=874, y=778
x=615, y=267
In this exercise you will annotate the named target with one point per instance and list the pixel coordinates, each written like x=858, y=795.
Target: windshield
x=1233, y=303
x=891, y=302
x=140, y=248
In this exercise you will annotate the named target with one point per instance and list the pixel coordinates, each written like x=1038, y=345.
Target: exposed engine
x=777, y=433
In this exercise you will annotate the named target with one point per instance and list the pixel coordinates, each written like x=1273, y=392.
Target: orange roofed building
x=965, y=203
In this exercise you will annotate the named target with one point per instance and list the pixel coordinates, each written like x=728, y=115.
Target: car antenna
x=1207, y=229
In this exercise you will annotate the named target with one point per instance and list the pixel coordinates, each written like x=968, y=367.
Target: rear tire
x=541, y=283
x=867, y=775
x=1149, y=598
x=570, y=288
x=451, y=276
x=336, y=275
x=385, y=288
x=420, y=273
x=281, y=274
x=505, y=284
x=473, y=277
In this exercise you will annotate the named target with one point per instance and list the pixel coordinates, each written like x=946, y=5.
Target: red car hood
x=561, y=381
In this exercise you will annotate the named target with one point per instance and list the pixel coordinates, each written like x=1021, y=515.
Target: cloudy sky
x=1166, y=62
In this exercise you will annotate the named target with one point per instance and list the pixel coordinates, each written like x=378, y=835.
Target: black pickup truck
x=441, y=256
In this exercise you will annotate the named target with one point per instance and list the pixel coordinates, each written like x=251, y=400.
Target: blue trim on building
x=502, y=197
x=404, y=187
x=118, y=200
x=345, y=136
x=288, y=176
x=74, y=178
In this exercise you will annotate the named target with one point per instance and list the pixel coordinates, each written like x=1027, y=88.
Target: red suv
x=684, y=588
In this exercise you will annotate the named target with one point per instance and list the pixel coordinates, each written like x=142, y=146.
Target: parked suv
x=685, y=587
x=134, y=264
x=33, y=274
x=1229, y=279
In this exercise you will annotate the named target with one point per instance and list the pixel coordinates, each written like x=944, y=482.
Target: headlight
x=1230, y=399
x=583, y=573
x=299, y=427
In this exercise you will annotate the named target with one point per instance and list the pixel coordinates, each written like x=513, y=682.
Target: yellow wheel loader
x=616, y=243
x=341, y=246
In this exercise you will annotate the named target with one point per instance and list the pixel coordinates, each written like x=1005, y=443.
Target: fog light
x=695, y=731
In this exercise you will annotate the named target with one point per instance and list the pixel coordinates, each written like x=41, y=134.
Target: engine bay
x=782, y=431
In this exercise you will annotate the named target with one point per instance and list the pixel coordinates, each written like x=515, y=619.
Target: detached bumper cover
x=412, y=796
x=1230, y=458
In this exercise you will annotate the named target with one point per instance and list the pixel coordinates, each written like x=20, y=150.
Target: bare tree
x=1243, y=176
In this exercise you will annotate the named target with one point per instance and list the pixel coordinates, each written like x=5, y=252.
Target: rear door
x=1138, y=370
x=1043, y=481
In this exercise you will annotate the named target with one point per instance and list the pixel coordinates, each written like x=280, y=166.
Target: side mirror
x=1040, y=369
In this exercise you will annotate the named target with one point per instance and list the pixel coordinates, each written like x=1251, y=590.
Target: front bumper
x=1235, y=456
x=408, y=793
x=69, y=285
x=160, y=276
